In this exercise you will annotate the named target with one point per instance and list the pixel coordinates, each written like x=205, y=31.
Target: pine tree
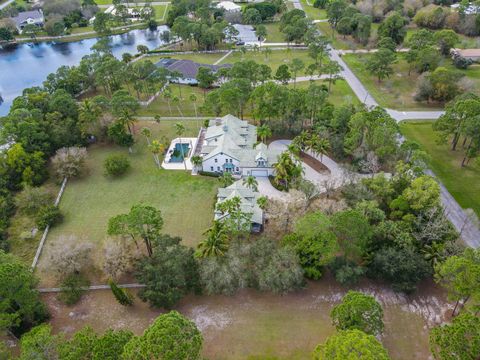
x=123, y=296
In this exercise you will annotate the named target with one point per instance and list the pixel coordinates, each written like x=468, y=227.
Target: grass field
x=340, y=93
x=313, y=12
x=274, y=60
x=273, y=33
x=397, y=91
x=462, y=183
x=186, y=201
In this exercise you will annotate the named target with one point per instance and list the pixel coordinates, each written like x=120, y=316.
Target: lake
x=28, y=64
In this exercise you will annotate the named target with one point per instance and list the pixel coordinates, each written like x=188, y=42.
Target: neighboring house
x=229, y=6
x=467, y=10
x=33, y=17
x=187, y=68
x=230, y=145
x=470, y=54
x=248, y=203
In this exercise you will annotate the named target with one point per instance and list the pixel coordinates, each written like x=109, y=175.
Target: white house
x=230, y=145
x=229, y=6
x=248, y=204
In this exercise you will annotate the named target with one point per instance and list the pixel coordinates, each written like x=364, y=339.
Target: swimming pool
x=176, y=156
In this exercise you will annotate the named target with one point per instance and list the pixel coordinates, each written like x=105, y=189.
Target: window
x=216, y=160
x=211, y=168
x=218, y=168
x=237, y=169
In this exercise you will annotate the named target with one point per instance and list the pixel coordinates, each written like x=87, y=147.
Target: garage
x=259, y=173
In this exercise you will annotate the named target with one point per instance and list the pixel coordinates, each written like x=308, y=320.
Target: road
x=5, y=4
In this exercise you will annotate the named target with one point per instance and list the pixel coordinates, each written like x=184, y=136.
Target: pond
x=28, y=64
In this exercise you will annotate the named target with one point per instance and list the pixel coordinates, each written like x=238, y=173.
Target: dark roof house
x=33, y=17
x=188, y=69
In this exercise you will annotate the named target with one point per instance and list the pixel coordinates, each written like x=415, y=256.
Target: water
x=28, y=64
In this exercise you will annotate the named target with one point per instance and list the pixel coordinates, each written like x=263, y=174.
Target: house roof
x=248, y=200
x=188, y=68
x=228, y=6
x=25, y=15
x=237, y=139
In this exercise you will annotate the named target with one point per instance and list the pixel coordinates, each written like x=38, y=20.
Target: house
x=470, y=54
x=229, y=6
x=187, y=68
x=248, y=203
x=467, y=10
x=33, y=17
x=230, y=145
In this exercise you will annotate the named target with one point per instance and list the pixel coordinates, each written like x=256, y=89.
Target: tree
x=70, y=256
x=142, y=49
x=20, y=304
x=332, y=69
x=358, y=311
x=458, y=340
x=170, y=337
x=236, y=220
x=216, y=243
x=353, y=344
x=251, y=182
x=314, y=243
x=260, y=31
x=124, y=108
x=403, y=268
x=110, y=345
x=446, y=40
x=335, y=11
x=252, y=16
x=287, y=169
x=439, y=85
x=180, y=130
x=101, y=23
x=264, y=132
x=206, y=78
x=193, y=99
x=296, y=66
x=156, y=147
x=122, y=295
x=380, y=63
x=226, y=179
x=142, y=221
x=39, y=343
x=168, y=274
x=32, y=199
x=69, y=162
x=353, y=232
x=116, y=165
x=393, y=27
x=80, y=346
x=283, y=74
x=48, y=215
x=6, y=34
x=460, y=276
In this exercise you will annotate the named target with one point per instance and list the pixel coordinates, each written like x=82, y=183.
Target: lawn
x=273, y=33
x=395, y=92
x=274, y=60
x=462, y=183
x=203, y=58
x=340, y=93
x=186, y=201
x=313, y=12
x=338, y=41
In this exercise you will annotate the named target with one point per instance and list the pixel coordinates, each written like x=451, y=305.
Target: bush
x=116, y=165
x=123, y=296
x=346, y=272
x=32, y=199
x=462, y=63
x=72, y=289
x=69, y=162
x=48, y=215
x=208, y=173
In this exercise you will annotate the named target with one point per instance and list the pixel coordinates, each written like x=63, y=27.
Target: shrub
x=32, y=199
x=123, y=296
x=72, y=288
x=462, y=63
x=69, y=162
x=116, y=165
x=346, y=272
x=49, y=215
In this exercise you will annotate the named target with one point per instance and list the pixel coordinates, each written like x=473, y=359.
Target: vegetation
x=116, y=165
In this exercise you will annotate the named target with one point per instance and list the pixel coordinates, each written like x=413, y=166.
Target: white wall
x=221, y=159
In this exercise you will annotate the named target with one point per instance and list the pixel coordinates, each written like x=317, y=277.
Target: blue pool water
x=178, y=149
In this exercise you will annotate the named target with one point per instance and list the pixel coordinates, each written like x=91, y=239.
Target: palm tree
x=264, y=132
x=180, y=130
x=251, y=182
x=226, y=179
x=89, y=113
x=262, y=202
x=147, y=133
x=167, y=94
x=287, y=169
x=216, y=243
x=176, y=101
x=193, y=99
x=177, y=75
x=156, y=147
x=320, y=146
x=157, y=118
x=267, y=52
x=197, y=161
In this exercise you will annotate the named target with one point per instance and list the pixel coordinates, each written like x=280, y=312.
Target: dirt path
x=251, y=323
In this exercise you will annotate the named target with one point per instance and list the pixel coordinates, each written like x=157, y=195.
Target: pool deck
x=181, y=165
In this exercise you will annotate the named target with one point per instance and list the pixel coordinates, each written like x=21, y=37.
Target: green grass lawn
x=462, y=183
x=274, y=60
x=397, y=91
x=313, y=12
x=200, y=58
x=273, y=33
x=340, y=93
x=186, y=201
